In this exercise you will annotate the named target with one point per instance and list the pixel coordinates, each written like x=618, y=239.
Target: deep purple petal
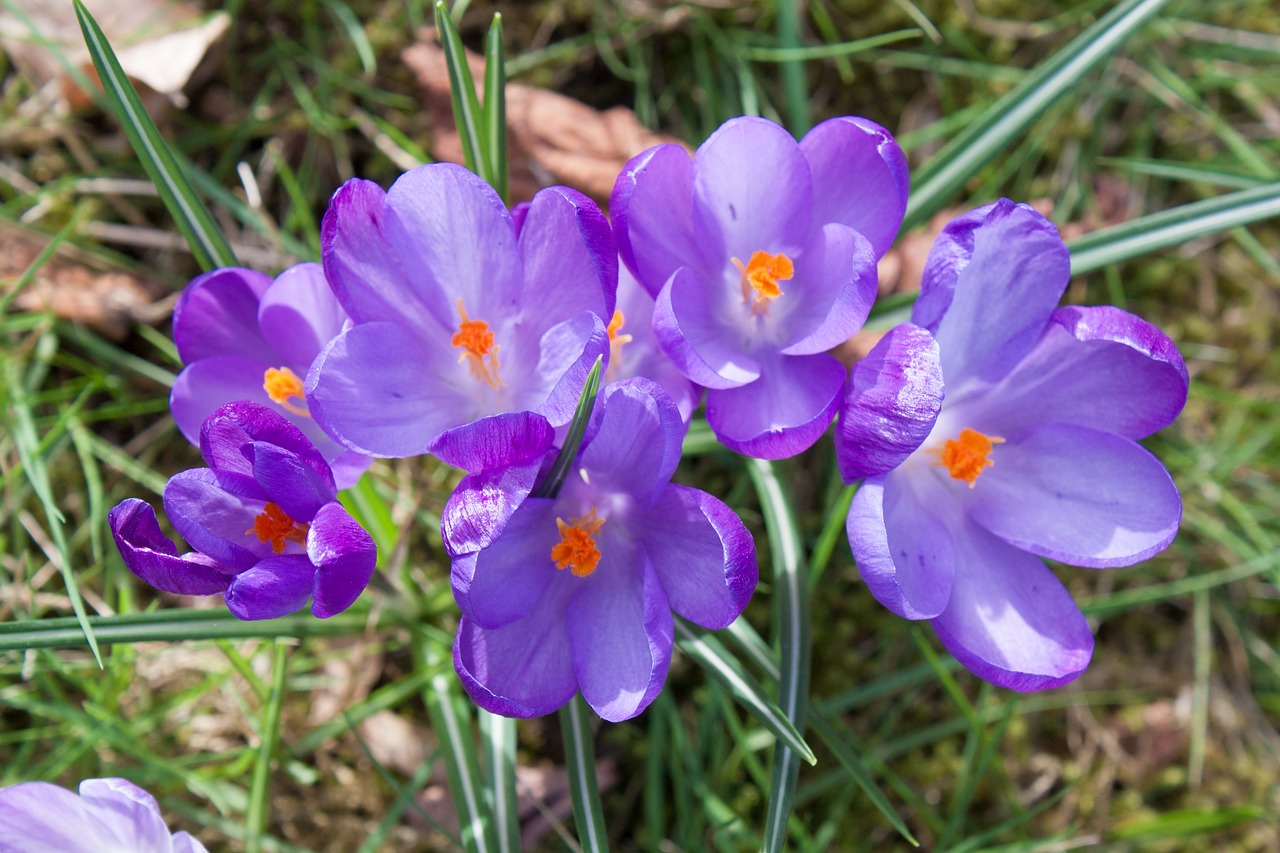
x=903, y=550
x=636, y=446
x=217, y=314
x=225, y=433
x=344, y=557
x=783, y=412
x=990, y=284
x=860, y=178
x=570, y=260
x=275, y=587
x=124, y=814
x=299, y=315
x=1010, y=620
x=150, y=555
x=831, y=294
x=567, y=352
x=621, y=631
x=500, y=583
x=41, y=816
x=213, y=520
x=703, y=555
x=1077, y=495
x=498, y=441
x=291, y=484
x=688, y=324
x=891, y=403
x=652, y=209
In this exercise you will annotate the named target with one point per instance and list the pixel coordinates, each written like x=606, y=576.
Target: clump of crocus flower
x=995, y=429
x=108, y=815
x=243, y=336
x=576, y=591
x=455, y=317
x=761, y=253
x=264, y=520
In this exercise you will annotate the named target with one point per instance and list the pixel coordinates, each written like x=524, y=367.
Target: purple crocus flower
x=108, y=816
x=761, y=253
x=243, y=336
x=576, y=592
x=456, y=318
x=264, y=519
x=634, y=350
x=997, y=428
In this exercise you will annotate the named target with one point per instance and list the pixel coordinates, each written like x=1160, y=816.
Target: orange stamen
x=275, y=526
x=576, y=549
x=968, y=455
x=282, y=385
x=616, y=340
x=762, y=274
x=476, y=342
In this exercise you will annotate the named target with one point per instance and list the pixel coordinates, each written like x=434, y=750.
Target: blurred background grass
x=1168, y=742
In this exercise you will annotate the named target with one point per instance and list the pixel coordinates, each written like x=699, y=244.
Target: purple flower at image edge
x=107, y=816
x=576, y=592
x=996, y=429
x=243, y=336
x=761, y=253
x=263, y=518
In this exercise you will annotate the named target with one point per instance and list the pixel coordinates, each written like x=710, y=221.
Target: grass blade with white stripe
x=580, y=756
x=466, y=106
x=499, y=735
x=495, y=107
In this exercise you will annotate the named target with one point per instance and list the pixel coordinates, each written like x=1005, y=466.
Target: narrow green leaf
x=580, y=756
x=1188, y=823
x=466, y=106
x=495, y=107
x=355, y=31
x=208, y=245
x=795, y=91
x=573, y=437
x=255, y=819
x=829, y=51
x=499, y=736
x=852, y=763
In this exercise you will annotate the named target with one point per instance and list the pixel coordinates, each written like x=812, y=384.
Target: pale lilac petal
x=860, y=178
x=891, y=404
x=150, y=555
x=830, y=296
x=39, y=816
x=636, y=446
x=783, y=412
x=652, y=209
x=686, y=321
x=570, y=260
x=184, y=843
x=205, y=385
x=291, y=484
x=348, y=466
x=1010, y=620
x=217, y=314
x=1077, y=495
x=124, y=814
x=275, y=587
x=703, y=555
x=213, y=520
x=344, y=557
x=641, y=355
x=299, y=314
x=567, y=352
x=500, y=583
x=903, y=551
x=621, y=631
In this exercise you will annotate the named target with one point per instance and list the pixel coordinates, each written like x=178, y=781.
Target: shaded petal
x=652, y=209
x=567, y=351
x=831, y=294
x=214, y=520
x=344, y=557
x=1077, y=495
x=275, y=587
x=702, y=553
x=124, y=814
x=783, y=412
x=688, y=324
x=348, y=466
x=990, y=284
x=42, y=816
x=500, y=583
x=1010, y=620
x=904, y=552
x=860, y=178
x=290, y=483
x=641, y=356
x=891, y=404
x=205, y=385
x=636, y=446
x=150, y=554
x=299, y=314
x=217, y=314
x=621, y=631
x=570, y=260
x=524, y=668
x=227, y=431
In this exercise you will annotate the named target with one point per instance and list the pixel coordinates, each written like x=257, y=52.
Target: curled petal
x=124, y=813
x=498, y=441
x=217, y=314
x=344, y=557
x=150, y=555
x=205, y=385
x=213, y=519
x=652, y=209
x=570, y=260
x=686, y=321
x=567, y=352
x=226, y=433
x=275, y=587
x=834, y=286
x=296, y=487
x=783, y=412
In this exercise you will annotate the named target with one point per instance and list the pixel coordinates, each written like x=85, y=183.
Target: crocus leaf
x=573, y=438
x=495, y=107
x=466, y=106
x=580, y=761
x=499, y=737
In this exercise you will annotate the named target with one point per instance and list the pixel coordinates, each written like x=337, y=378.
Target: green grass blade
x=466, y=106
x=495, y=107
x=208, y=245
x=573, y=437
x=852, y=763
x=499, y=736
x=580, y=756
x=795, y=91
x=255, y=819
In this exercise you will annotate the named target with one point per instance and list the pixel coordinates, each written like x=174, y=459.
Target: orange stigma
x=282, y=385
x=616, y=340
x=762, y=274
x=968, y=455
x=576, y=549
x=476, y=342
x=275, y=526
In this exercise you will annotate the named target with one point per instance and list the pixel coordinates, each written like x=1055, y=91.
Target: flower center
x=616, y=340
x=576, y=549
x=478, y=349
x=275, y=526
x=762, y=274
x=968, y=455
x=282, y=385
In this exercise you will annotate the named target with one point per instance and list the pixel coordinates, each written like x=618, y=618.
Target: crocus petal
x=830, y=297
x=860, y=178
x=213, y=520
x=621, y=631
x=225, y=433
x=990, y=284
x=499, y=584
x=524, y=668
x=288, y=482
x=184, y=843
x=703, y=555
x=570, y=260
x=636, y=447
x=125, y=814
x=567, y=352
x=217, y=314
x=783, y=412
x=348, y=467
x=687, y=325
x=641, y=355
x=42, y=816
x=891, y=404
x=1010, y=620
x=344, y=557
x=203, y=386
x=299, y=314
x=903, y=551
x=1098, y=367
x=512, y=438
x=150, y=555
x=1077, y=495
x=652, y=209
x=275, y=587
